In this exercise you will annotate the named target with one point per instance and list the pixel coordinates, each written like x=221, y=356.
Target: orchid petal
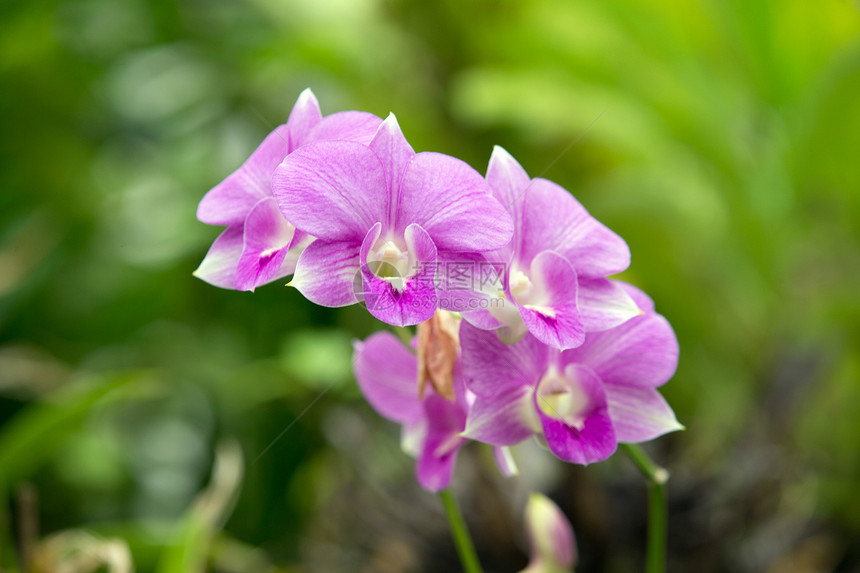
x=304, y=116
x=218, y=267
x=402, y=301
x=639, y=414
x=642, y=352
x=333, y=190
x=385, y=371
x=266, y=239
x=356, y=126
x=445, y=421
x=555, y=319
x=594, y=443
x=604, y=304
x=326, y=273
x=229, y=202
x=394, y=154
x=412, y=436
x=554, y=220
x=483, y=318
x=503, y=419
x=452, y=202
x=642, y=300
x=491, y=367
x=508, y=181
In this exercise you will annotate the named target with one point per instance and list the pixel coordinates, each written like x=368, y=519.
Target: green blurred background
x=141, y=409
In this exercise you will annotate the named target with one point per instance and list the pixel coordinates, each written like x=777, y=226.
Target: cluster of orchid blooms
x=519, y=331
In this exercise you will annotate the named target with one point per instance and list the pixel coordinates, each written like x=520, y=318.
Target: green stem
x=465, y=547
x=657, y=477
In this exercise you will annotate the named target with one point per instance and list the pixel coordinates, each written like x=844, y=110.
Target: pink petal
x=639, y=414
x=482, y=319
x=412, y=437
x=554, y=220
x=445, y=422
x=356, y=126
x=642, y=300
x=386, y=372
x=452, y=202
x=491, y=366
x=508, y=181
x=218, y=267
x=641, y=352
x=327, y=273
x=502, y=419
x=394, y=154
x=229, y=202
x=333, y=190
x=604, y=304
x=303, y=118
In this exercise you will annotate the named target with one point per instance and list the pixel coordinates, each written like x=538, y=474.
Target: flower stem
x=465, y=547
x=657, y=477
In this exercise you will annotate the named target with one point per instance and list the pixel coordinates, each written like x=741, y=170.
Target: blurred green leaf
x=34, y=436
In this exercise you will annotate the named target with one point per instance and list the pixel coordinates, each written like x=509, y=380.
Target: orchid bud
x=551, y=541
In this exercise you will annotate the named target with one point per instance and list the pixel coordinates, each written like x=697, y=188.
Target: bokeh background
x=148, y=417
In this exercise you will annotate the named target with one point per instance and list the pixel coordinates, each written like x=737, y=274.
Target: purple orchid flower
x=424, y=391
x=259, y=244
x=553, y=272
x=387, y=374
x=386, y=219
x=582, y=401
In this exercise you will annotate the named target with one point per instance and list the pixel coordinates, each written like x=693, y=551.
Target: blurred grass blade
x=197, y=530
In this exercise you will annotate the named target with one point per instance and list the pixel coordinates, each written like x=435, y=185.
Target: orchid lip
x=525, y=294
x=560, y=396
x=282, y=240
x=390, y=260
x=544, y=310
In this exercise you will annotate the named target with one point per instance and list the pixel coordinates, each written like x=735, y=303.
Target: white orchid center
x=520, y=285
x=391, y=261
x=561, y=396
x=530, y=295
